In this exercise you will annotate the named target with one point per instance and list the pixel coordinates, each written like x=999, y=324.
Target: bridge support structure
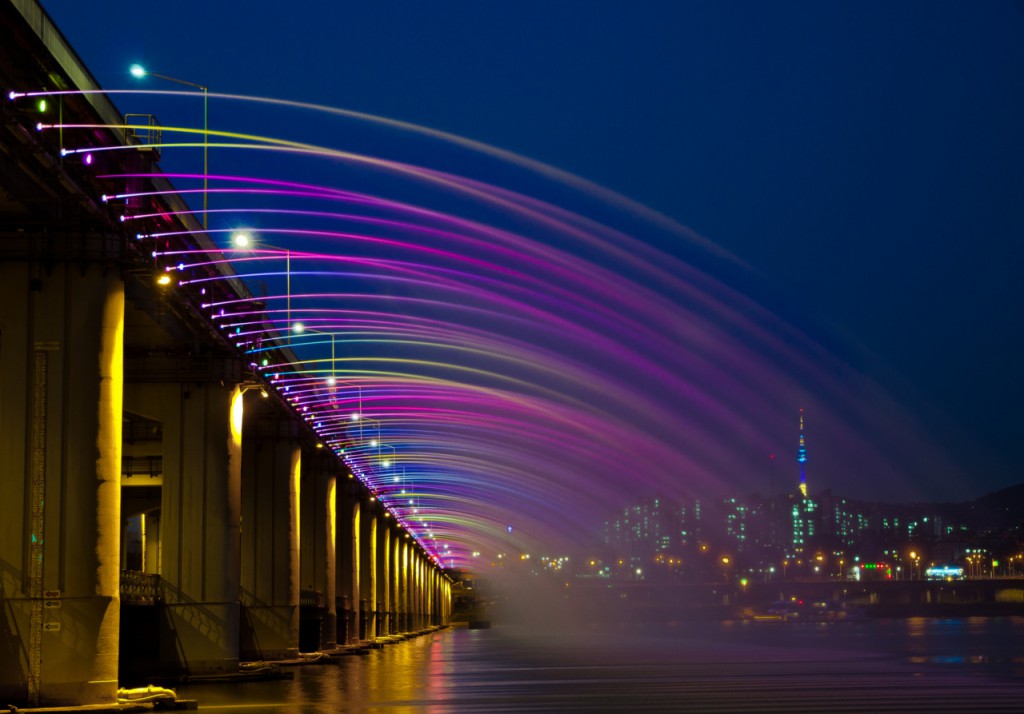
x=200, y=517
x=383, y=568
x=271, y=493
x=368, y=572
x=61, y=343
x=318, y=614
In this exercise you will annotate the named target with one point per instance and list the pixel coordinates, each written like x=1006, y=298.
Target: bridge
x=166, y=508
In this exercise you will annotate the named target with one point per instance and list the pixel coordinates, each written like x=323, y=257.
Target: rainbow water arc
x=522, y=362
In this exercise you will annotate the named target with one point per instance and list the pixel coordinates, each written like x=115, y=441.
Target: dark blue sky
x=867, y=160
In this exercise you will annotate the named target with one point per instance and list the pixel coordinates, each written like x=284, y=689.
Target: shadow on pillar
x=364, y=620
x=312, y=617
x=265, y=630
x=155, y=634
x=13, y=683
x=347, y=629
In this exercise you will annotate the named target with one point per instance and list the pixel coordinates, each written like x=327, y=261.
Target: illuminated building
x=690, y=522
x=843, y=518
x=644, y=528
x=801, y=457
x=803, y=509
x=737, y=515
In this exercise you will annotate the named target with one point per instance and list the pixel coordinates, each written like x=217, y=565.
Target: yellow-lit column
x=383, y=576
x=417, y=589
x=403, y=595
x=441, y=618
x=349, y=512
x=368, y=574
x=424, y=591
x=199, y=520
x=331, y=558
x=271, y=494
x=428, y=592
x=61, y=361
x=447, y=601
x=432, y=594
x=317, y=626
x=395, y=596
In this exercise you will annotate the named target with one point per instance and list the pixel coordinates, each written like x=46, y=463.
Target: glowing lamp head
x=298, y=328
x=373, y=443
x=331, y=381
x=41, y=106
x=241, y=240
x=355, y=416
x=137, y=71
x=164, y=279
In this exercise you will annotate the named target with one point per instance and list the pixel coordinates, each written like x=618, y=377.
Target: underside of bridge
x=163, y=513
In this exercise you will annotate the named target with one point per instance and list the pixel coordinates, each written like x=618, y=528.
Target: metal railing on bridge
x=139, y=588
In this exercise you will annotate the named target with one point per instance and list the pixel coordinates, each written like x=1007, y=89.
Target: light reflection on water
x=974, y=664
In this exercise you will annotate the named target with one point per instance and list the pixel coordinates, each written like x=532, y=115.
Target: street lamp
x=138, y=71
x=243, y=241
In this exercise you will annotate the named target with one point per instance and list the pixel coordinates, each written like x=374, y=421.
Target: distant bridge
x=154, y=504
x=602, y=600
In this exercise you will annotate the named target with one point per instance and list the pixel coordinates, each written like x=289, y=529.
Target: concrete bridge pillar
x=200, y=518
x=432, y=596
x=271, y=490
x=347, y=574
x=318, y=625
x=424, y=590
x=421, y=577
x=368, y=573
x=406, y=587
x=446, y=601
x=414, y=588
x=395, y=585
x=61, y=347
x=383, y=576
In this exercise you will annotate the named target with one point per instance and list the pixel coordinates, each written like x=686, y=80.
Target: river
x=913, y=665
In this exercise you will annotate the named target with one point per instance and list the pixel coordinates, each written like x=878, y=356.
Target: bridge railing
x=145, y=132
x=141, y=588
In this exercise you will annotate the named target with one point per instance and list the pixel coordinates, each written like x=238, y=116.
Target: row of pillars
x=247, y=523
x=320, y=534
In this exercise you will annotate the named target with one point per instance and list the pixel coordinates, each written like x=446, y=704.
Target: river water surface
x=915, y=665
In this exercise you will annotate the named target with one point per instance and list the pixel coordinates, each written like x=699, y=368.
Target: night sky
x=863, y=163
